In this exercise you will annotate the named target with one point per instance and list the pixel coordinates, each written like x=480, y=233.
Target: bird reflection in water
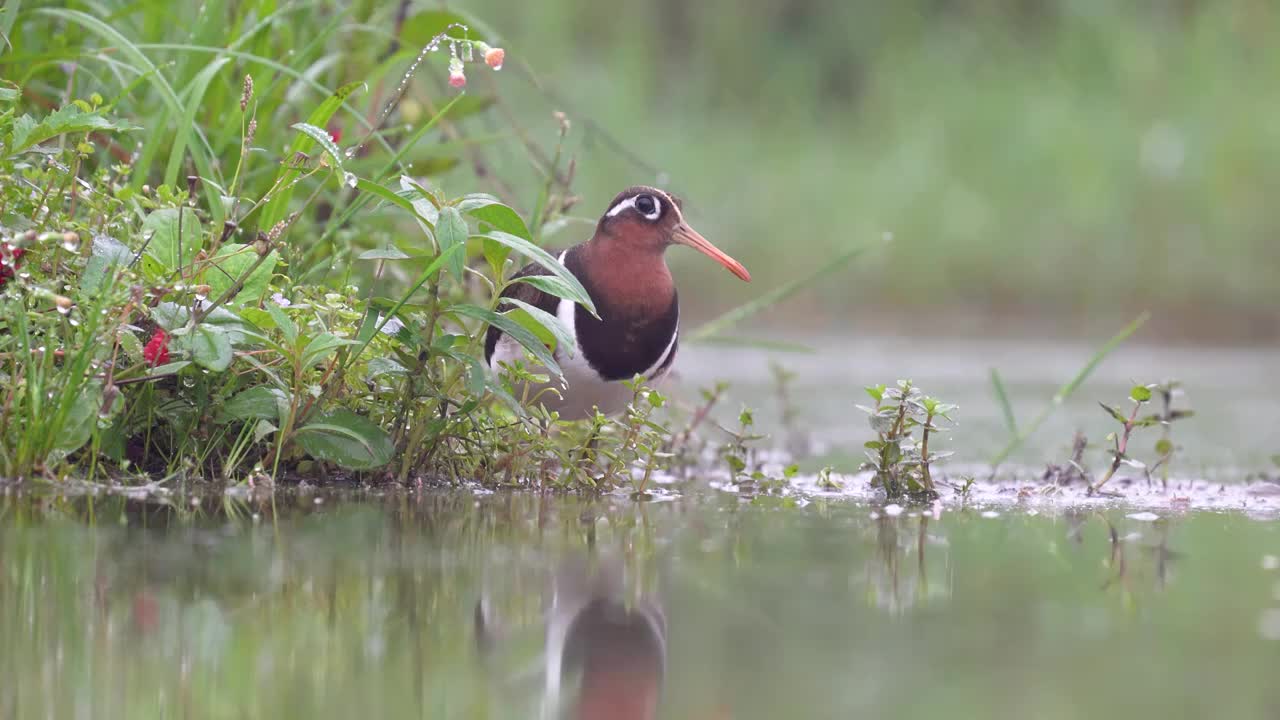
x=603, y=649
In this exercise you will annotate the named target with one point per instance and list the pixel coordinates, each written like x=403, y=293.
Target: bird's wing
x=523, y=292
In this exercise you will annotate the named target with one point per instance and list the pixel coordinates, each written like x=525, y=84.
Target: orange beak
x=685, y=235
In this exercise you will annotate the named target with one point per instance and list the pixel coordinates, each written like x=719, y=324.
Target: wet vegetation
x=218, y=264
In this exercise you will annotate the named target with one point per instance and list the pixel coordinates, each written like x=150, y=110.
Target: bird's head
x=648, y=219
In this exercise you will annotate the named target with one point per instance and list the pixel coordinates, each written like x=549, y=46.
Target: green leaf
x=232, y=261
x=550, y=284
x=544, y=258
x=1164, y=446
x=384, y=366
x=210, y=347
x=527, y=340
x=389, y=253
x=1114, y=412
x=194, y=97
x=29, y=132
x=278, y=206
x=263, y=429
x=257, y=403
x=876, y=392
x=424, y=204
x=489, y=209
x=80, y=420
x=347, y=440
x=168, y=368
x=321, y=346
x=107, y=254
x=322, y=138
x=556, y=332
x=384, y=193
x=170, y=316
x=1140, y=393
x=283, y=322
x=176, y=236
x=451, y=230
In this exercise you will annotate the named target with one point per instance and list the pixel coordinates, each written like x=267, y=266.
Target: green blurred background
x=1043, y=167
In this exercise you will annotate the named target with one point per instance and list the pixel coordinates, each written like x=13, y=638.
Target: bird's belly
x=581, y=391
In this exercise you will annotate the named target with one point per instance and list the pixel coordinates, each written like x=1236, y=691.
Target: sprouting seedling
x=1140, y=395
x=1168, y=414
x=934, y=410
x=737, y=452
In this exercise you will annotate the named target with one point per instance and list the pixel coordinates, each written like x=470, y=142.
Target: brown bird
x=623, y=268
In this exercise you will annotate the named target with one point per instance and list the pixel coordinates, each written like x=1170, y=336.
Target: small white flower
x=281, y=300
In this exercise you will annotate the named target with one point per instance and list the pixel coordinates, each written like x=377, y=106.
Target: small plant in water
x=902, y=462
x=737, y=452
x=1139, y=395
x=1168, y=414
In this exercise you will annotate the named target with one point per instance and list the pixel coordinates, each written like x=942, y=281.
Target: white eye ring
x=631, y=203
x=657, y=207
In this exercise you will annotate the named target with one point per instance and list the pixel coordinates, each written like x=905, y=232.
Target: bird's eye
x=648, y=206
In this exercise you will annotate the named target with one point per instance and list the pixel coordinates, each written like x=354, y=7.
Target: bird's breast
x=618, y=346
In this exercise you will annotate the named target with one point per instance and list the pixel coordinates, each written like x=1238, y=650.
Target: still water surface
x=495, y=606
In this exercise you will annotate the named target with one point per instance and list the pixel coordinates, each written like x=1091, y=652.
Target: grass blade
x=1070, y=387
x=194, y=93
x=1002, y=397
x=716, y=326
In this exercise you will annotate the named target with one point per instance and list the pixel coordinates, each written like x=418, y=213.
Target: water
x=1233, y=391
x=705, y=607
x=819, y=604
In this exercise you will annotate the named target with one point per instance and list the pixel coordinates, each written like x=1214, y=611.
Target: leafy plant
x=1140, y=396
x=901, y=461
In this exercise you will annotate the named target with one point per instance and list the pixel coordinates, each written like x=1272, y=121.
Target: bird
x=604, y=646
x=623, y=268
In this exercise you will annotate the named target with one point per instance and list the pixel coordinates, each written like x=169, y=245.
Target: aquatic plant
x=902, y=461
x=1140, y=396
x=1168, y=414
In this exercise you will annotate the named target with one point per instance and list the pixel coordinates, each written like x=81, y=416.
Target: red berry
x=156, y=351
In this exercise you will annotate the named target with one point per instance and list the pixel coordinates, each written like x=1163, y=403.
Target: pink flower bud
x=493, y=57
x=456, y=77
